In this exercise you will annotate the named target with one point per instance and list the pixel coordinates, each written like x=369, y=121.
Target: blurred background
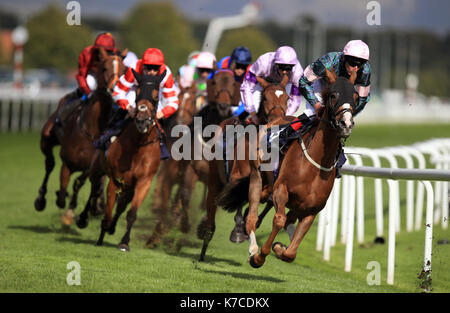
x=409, y=44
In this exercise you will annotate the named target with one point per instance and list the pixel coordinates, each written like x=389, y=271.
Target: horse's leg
x=162, y=195
x=238, y=234
x=280, y=197
x=68, y=217
x=254, y=196
x=64, y=178
x=140, y=191
x=47, y=144
x=186, y=189
x=160, y=182
x=97, y=183
x=110, y=202
x=122, y=202
x=289, y=254
x=206, y=228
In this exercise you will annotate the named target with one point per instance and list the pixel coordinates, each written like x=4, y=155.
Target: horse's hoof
x=253, y=263
x=68, y=218
x=278, y=248
x=124, y=247
x=82, y=223
x=379, y=240
x=237, y=236
x=112, y=230
x=39, y=204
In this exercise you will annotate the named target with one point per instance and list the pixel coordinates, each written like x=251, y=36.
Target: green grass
x=35, y=248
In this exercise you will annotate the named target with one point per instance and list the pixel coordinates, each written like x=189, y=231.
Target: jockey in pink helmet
x=272, y=66
x=353, y=58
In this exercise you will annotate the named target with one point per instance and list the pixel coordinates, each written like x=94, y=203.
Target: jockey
x=272, y=66
x=152, y=63
x=204, y=70
x=87, y=67
x=354, y=57
x=88, y=62
x=239, y=62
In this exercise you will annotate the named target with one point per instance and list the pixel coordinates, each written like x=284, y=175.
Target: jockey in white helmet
x=272, y=66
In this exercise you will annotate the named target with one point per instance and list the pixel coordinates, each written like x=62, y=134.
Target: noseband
x=332, y=114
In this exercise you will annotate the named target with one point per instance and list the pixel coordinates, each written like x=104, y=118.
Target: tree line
x=54, y=44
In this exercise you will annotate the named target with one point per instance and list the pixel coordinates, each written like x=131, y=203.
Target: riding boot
x=164, y=152
x=108, y=137
x=341, y=160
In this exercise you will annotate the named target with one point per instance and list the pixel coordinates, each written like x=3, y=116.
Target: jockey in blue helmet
x=239, y=62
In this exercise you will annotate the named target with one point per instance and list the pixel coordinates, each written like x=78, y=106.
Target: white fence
x=27, y=110
x=418, y=179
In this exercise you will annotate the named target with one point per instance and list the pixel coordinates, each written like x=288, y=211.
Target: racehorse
x=273, y=105
x=171, y=172
x=130, y=163
x=82, y=127
x=222, y=93
x=307, y=172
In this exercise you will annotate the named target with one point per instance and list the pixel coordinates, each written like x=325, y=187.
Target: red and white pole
x=19, y=36
x=18, y=71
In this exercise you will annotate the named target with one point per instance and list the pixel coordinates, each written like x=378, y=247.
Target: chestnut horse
x=130, y=163
x=82, y=127
x=306, y=174
x=273, y=106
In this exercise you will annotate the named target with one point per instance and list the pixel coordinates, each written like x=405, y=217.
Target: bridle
x=333, y=114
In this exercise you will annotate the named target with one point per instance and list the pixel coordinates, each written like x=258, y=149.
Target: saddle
x=73, y=102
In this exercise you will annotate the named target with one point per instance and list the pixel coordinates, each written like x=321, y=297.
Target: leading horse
x=306, y=174
x=76, y=137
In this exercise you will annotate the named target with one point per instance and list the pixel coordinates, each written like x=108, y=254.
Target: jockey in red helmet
x=152, y=64
x=88, y=62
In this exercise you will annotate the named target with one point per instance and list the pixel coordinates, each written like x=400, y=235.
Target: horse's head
x=147, y=100
x=111, y=69
x=273, y=101
x=340, y=102
x=186, y=109
x=145, y=115
x=223, y=92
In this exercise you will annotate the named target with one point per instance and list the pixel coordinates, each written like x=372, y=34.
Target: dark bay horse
x=273, y=105
x=82, y=127
x=306, y=174
x=172, y=172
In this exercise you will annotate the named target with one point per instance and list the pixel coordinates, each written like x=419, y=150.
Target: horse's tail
x=234, y=195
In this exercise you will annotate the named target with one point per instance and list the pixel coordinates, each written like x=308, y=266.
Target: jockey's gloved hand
x=84, y=97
